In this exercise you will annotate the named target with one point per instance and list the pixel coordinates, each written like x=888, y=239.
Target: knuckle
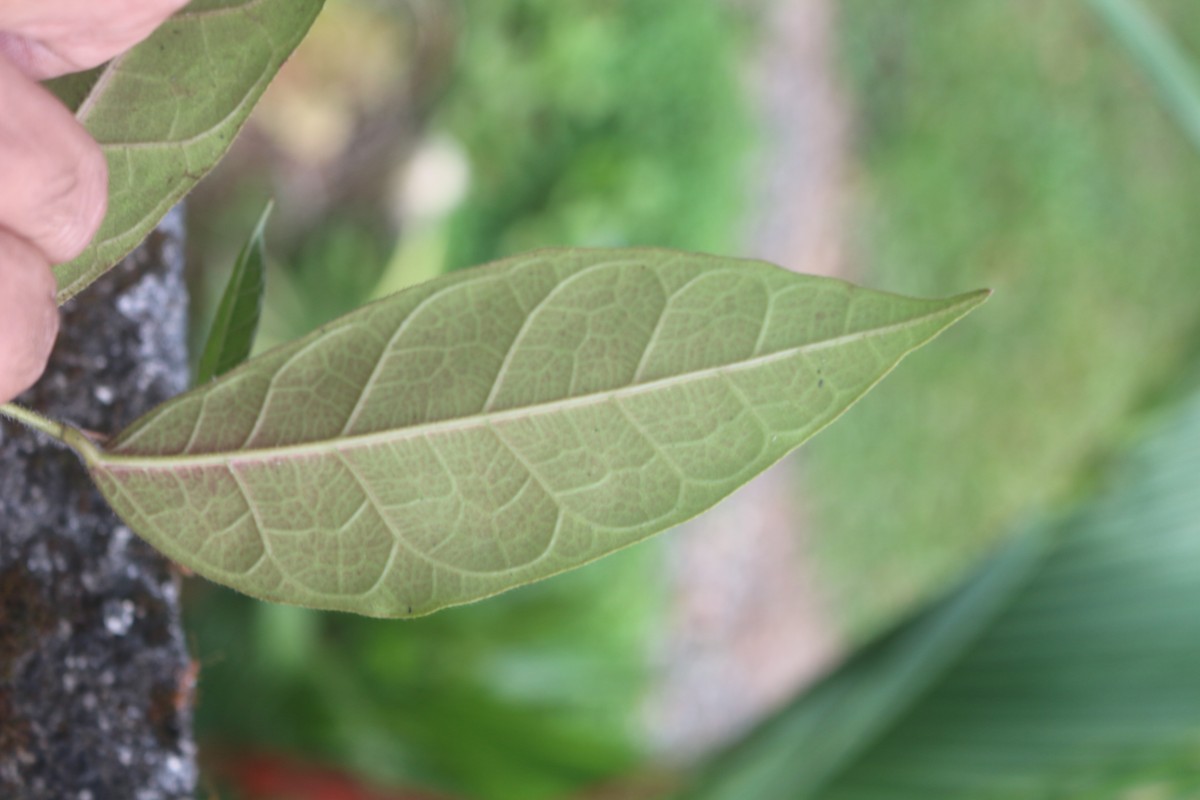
x=72, y=202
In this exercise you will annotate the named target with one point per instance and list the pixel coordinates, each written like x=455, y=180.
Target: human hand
x=53, y=177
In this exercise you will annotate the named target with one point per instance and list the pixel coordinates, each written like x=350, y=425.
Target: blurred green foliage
x=601, y=122
x=329, y=272
x=1011, y=145
x=594, y=122
x=1016, y=143
x=1065, y=667
x=1004, y=144
x=531, y=694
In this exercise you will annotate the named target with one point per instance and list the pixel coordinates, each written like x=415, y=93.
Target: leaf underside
x=502, y=424
x=234, y=325
x=165, y=112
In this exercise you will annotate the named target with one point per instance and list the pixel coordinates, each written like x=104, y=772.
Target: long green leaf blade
x=1172, y=73
x=232, y=335
x=1078, y=679
x=165, y=112
x=499, y=425
x=799, y=750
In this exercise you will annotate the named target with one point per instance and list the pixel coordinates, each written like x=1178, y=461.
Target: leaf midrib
x=958, y=307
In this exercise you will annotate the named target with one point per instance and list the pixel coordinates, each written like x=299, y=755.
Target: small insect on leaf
x=499, y=425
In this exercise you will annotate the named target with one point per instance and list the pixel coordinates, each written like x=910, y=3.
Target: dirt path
x=747, y=626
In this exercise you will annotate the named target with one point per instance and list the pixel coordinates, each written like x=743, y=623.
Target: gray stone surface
x=95, y=679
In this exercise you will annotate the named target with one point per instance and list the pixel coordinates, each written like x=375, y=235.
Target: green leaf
x=1066, y=668
x=796, y=752
x=1170, y=70
x=232, y=336
x=165, y=112
x=502, y=424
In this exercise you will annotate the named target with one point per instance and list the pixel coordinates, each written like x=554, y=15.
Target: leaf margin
x=108, y=247
x=102, y=463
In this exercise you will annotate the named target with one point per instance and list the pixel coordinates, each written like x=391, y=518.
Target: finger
x=45, y=38
x=28, y=315
x=54, y=177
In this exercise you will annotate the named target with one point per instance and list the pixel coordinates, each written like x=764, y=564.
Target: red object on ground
x=259, y=776
x=262, y=776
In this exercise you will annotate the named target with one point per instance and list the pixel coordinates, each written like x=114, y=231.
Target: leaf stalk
x=59, y=431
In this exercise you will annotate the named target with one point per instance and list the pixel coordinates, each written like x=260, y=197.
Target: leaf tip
x=965, y=303
x=975, y=298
